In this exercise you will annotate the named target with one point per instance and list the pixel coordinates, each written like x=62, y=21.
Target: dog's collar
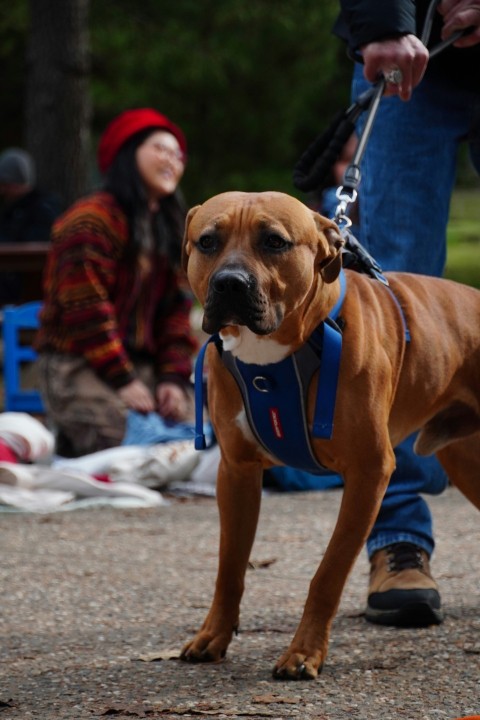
x=275, y=395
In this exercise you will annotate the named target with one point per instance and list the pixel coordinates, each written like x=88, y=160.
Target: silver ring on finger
x=394, y=76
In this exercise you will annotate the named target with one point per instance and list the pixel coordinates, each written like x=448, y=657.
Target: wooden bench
x=29, y=260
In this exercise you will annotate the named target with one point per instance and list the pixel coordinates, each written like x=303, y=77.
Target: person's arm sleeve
x=370, y=20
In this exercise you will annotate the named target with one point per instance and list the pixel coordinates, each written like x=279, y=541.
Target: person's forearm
x=370, y=20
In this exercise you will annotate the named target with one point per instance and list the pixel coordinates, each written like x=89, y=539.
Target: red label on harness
x=276, y=424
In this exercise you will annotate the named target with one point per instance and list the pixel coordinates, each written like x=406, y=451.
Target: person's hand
x=406, y=54
x=137, y=396
x=172, y=402
x=458, y=15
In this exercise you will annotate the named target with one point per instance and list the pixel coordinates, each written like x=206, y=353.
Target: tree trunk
x=57, y=104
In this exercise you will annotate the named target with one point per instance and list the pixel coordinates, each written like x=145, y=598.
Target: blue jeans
x=408, y=174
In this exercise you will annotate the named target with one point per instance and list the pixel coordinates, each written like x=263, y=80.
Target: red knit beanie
x=127, y=124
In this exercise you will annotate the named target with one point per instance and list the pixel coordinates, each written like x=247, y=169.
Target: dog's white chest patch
x=250, y=348
x=244, y=425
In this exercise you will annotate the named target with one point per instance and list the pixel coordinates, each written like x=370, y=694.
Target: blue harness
x=275, y=395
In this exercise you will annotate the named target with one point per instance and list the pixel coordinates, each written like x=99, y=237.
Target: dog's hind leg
x=461, y=461
x=239, y=491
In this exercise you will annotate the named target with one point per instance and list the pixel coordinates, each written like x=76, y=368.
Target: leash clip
x=346, y=197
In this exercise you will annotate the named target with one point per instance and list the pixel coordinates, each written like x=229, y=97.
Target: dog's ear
x=330, y=265
x=185, y=248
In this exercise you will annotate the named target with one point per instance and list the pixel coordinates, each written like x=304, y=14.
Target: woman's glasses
x=174, y=154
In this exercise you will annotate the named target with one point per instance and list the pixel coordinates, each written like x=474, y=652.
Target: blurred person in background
x=26, y=213
x=115, y=331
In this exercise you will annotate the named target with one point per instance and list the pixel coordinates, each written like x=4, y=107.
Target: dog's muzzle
x=234, y=298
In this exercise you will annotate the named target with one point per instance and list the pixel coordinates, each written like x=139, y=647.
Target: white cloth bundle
x=26, y=436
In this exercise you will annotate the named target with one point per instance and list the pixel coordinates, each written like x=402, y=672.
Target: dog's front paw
x=298, y=666
x=206, y=647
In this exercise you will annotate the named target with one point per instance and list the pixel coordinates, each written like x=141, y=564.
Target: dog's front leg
x=360, y=505
x=239, y=490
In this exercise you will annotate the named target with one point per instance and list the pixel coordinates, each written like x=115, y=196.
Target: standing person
x=408, y=174
x=115, y=331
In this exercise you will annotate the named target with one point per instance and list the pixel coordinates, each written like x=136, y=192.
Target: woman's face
x=160, y=163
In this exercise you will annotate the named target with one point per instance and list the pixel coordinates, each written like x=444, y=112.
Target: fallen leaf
x=259, y=564
x=159, y=655
x=203, y=709
x=132, y=710
x=267, y=699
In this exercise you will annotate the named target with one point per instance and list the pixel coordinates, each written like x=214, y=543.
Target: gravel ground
x=91, y=597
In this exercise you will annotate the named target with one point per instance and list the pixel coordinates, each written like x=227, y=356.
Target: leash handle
x=449, y=41
x=427, y=29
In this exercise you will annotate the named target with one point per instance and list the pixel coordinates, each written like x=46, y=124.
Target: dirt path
x=89, y=596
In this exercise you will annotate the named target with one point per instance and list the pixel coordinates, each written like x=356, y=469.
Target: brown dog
x=266, y=270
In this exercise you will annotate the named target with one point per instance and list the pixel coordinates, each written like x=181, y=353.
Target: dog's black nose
x=232, y=281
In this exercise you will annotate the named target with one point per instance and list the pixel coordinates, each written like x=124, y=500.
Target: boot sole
x=411, y=615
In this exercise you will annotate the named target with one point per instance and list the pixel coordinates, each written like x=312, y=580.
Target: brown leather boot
x=402, y=591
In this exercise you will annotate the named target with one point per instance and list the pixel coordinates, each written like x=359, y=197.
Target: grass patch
x=463, y=238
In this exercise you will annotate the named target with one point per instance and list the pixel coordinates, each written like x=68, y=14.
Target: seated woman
x=115, y=331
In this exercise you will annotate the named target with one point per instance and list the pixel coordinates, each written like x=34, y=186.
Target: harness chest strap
x=275, y=397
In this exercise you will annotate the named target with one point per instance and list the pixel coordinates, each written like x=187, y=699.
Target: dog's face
x=253, y=258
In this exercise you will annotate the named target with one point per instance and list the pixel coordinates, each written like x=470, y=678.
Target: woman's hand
x=172, y=402
x=137, y=396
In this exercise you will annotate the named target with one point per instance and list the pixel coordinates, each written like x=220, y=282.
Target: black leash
x=318, y=159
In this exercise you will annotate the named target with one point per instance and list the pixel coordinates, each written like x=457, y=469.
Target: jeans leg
x=404, y=515
x=408, y=173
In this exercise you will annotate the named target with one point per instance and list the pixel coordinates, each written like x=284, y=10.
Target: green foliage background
x=463, y=236
x=251, y=84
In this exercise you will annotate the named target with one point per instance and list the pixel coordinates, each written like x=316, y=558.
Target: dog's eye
x=275, y=243
x=207, y=243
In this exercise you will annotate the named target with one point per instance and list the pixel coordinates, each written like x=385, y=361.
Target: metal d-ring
x=261, y=383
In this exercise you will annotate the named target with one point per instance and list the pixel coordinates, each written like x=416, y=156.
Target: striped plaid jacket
x=106, y=308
